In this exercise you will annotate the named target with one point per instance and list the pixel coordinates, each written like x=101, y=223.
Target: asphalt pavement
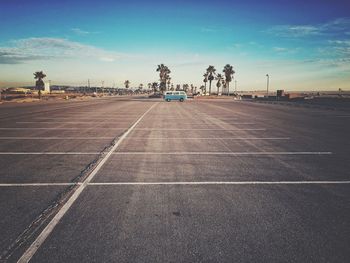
x=142, y=180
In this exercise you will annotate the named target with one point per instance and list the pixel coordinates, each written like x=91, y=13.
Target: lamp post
x=102, y=87
x=267, y=85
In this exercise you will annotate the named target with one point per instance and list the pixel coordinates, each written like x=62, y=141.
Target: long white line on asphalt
x=37, y=184
x=89, y=122
x=61, y=128
x=179, y=183
x=28, y=254
x=49, y=153
x=220, y=183
x=223, y=153
x=169, y=153
x=199, y=129
x=146, y=138
x=123, y=128
x=126, y=116
x=67, y=122
x=207, y=138
x=56, y=138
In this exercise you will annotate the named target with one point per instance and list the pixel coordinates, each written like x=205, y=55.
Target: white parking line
x=169, y=153
x=223, y=153
x=28, y=254
x=68, y=122
x=49, y=153
x=37, y=184
x=199, y=129
x=221, y=183
x=207, y=138
x=56, y=138
x=62, y=128
x=181, y=183
x=126, y=116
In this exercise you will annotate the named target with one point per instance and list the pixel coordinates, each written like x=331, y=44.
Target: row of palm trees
x=225, y=80
x=165, y=84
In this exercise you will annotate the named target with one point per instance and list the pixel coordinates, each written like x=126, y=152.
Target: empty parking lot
x=138, y=180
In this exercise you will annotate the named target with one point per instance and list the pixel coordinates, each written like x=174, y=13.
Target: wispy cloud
x=81, y=32
x=280, y=49
x=285, y=50
x=214, y=29
x=293, y=31
x=337, y=26
x=29, y=49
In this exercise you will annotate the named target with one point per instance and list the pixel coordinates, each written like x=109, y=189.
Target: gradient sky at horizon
x=302, y=45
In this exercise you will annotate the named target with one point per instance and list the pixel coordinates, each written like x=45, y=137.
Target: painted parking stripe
x=180, y=183
x=117, y=121
x=169, y=153
x=37, y=184
x=49, y=153
x=62, y=128
x=68, y=122
x=29, y=253
x=223, y=153
x=207, y=138
x=56, y=138
x=199, y=129
x=221, y=183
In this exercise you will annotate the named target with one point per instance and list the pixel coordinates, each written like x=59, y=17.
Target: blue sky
x=302, y=45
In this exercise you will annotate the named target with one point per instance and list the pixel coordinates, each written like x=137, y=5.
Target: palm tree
x=164, y=72
x=219, y=78
x=228, y=70
x=211, y=73
x=185, y=87
x=140, y=87
x=205, y=82
x=168, y=82
x=202, y=88
x=127, y=84
x=39, y=84
x=155, y=87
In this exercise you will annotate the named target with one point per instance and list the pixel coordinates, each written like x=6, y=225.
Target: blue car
x=175, y=95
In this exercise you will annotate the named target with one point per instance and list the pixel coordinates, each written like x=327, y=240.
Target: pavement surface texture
x=143, y=180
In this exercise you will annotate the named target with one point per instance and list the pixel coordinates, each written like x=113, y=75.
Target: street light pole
x=88, y=85
x=267, y=86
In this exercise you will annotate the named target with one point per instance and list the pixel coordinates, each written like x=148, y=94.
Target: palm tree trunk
x=209, y=87
x=205, y=88
x=228, y=88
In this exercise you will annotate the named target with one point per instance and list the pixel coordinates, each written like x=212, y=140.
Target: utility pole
x=102, y=86
x=235, y=86
x=267, y=85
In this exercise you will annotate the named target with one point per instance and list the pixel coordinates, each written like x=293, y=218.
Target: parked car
x=175, y=95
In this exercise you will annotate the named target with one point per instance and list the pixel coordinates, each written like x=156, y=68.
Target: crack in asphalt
x=55, y=205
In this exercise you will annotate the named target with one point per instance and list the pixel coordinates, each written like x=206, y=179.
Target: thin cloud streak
x=52, y=48
x=337, y=26
x=81, y=32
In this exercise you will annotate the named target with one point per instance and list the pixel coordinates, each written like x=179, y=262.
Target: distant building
x=47, y=87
